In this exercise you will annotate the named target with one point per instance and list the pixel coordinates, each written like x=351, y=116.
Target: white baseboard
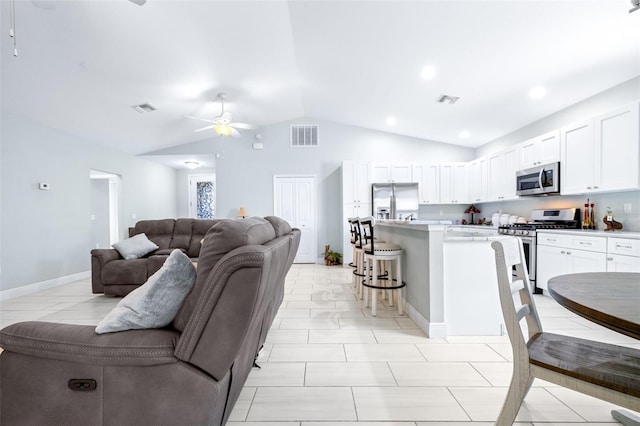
x=28, y=289
x=433, y=330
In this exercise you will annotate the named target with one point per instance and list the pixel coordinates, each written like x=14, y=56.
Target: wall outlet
x=627, y=208
x=43, y=186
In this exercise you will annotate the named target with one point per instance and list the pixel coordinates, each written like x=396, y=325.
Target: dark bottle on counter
x=592, y=221
x=585, y=220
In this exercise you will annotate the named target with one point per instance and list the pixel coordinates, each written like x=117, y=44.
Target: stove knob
x=525, y=232
x=512, y=231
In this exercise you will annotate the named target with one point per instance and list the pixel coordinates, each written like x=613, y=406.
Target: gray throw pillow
x=156, y=302
x=135, y=247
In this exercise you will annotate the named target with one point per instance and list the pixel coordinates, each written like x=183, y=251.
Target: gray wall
x=244, y=176
x=100, y=213
x=49, y=232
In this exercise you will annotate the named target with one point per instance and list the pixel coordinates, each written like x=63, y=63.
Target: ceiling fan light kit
x=222, y=124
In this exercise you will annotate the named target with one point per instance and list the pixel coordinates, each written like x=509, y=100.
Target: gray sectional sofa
x=115, y=276
x=188, y=373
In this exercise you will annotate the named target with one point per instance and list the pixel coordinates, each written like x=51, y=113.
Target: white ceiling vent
x=448, y=99
x=142, y=108
x=304, y=135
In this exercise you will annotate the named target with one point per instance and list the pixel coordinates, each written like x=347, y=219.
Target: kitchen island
x=450, y=276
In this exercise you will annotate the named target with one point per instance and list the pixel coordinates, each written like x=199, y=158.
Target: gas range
x=544, y=219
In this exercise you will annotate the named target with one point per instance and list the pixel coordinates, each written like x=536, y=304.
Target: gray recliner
x=189, y=373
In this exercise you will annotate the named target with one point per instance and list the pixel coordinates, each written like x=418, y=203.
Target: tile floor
x=328, y=362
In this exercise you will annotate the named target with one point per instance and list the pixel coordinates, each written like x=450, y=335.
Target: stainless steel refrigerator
x=394, y=200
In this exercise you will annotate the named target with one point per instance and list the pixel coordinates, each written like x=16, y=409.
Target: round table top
x=611, y=299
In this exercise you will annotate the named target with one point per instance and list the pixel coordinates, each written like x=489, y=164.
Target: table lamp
x=242, y=212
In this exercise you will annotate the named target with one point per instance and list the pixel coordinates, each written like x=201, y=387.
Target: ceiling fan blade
x=243, y=126
x=235, y=133
x=226, y=116
x=205, y=128
x=198, y=118
x=138, y=2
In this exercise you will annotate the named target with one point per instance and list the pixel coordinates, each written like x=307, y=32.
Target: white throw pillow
x=135, y=247
x=156, y=302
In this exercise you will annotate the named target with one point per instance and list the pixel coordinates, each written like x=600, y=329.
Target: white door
x=202, y=196
x=295, y=202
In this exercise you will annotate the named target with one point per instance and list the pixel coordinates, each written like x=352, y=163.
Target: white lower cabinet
x=567, y=254
x=623, y=255
x=620, y=263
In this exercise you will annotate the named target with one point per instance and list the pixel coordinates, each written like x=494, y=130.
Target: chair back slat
x=513, y=283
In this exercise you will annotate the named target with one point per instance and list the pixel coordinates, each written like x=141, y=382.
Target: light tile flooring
x=327, y=361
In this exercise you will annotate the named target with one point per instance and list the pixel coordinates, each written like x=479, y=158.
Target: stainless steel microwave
x=539, y=180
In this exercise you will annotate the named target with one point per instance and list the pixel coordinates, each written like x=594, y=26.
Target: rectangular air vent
x=142, y=108
x=304, y=135
x=448, y=99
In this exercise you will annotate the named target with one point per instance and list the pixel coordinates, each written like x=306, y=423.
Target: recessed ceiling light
x=428, y=72
x=537, y=92
x=391, y=121
x=192, y=164
x=464, y=134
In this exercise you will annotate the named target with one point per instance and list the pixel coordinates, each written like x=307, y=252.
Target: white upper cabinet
x=478, y=185
x=602, y=153
x=428, y=177
x=454, y=183
x=355, y=182
x=390, y=172
x=543, y=149
x=502, y=167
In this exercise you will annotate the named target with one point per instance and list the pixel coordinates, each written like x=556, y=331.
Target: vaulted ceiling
x=82, y=64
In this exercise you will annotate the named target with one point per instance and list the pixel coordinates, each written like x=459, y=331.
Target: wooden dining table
x=611, y=299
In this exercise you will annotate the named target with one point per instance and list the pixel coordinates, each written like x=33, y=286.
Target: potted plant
x=331, y=257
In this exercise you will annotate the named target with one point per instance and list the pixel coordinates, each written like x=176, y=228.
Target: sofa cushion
x=125, y=272
x=224, y=236
x=182, y=234
x=280, y=225
x=159, y=231
x=198, y=231
x=135, y=247
x=154, y=304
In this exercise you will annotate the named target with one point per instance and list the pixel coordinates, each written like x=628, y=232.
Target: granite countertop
x=595, y=233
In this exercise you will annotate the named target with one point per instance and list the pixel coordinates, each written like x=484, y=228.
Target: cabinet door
x=620, y=263
x=586, y=261
x=479, y=187
x=549, y=147
x=380, y=173
x=529, y=153
x=446, y=183
x=363, y=185
x=401, y=173
x=577, y=158
x=461, y=183
x=496, y=176
x=617, y=151
x=427, y=175
x=551, y=262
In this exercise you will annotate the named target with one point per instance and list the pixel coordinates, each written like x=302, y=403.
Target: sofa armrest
x=80, y=343
x=99, y=258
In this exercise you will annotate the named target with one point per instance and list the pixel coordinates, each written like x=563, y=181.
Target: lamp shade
x=242, y=212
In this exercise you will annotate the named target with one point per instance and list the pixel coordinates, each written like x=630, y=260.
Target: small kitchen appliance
x=540, y=220
x=539, y=180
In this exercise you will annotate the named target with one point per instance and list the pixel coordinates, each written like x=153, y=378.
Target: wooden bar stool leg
x=399, y=283
x=392, y=271
x=365, y=280
x=374, y=291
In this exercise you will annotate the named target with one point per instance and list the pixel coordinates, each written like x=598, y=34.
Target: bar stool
x=390, y=255
x=358, y=253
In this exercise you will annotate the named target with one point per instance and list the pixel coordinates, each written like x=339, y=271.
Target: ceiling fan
x=222, y=124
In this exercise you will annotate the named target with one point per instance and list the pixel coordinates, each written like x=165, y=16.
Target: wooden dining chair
x=605, y=371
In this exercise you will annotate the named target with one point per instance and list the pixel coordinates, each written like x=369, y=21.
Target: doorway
x=202, y=196
x=105, y=195
x=295, y=202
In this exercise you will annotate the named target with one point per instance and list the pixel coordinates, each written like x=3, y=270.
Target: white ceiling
x=82, y=64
